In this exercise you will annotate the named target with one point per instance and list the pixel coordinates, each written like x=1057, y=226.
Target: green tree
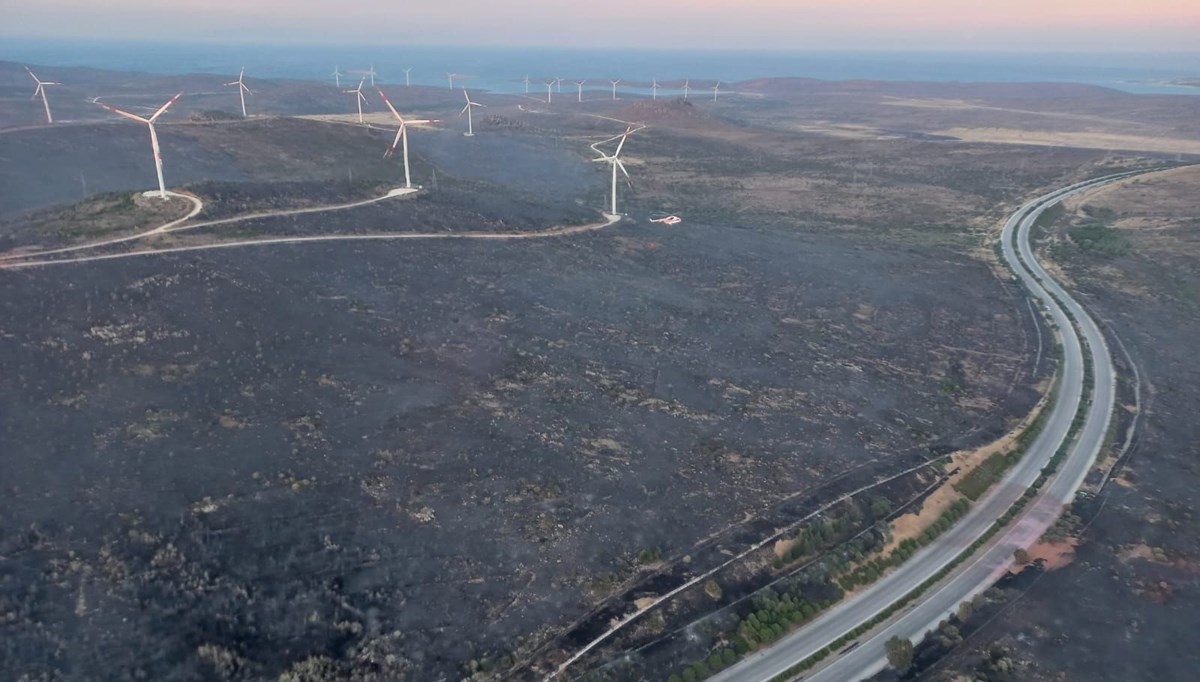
x=1021, y=556
x=899, y=653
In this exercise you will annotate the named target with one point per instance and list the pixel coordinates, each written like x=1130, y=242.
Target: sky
x=986, y=25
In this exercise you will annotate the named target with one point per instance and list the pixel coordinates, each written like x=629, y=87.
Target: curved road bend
x=981, y=570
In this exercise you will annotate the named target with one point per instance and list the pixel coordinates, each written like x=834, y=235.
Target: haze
x=1079, y=25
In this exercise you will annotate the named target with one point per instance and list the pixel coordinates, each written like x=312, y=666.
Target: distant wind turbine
x=162, y=188
x=242, y=89
x=549, y=90
x=558, y=84
x=579, y=84
x=450, y=77
x=337, y=77
x=401, y=137
x=371, y=75
x=526, y=85
x=686, y=87
x=654, y=89
x=407, y=80
x=359, y=97
x=41, y=90
x=715, y=89
x=467, y=110
x=614, y=87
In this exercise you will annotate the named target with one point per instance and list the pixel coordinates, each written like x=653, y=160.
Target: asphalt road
x=981, y=570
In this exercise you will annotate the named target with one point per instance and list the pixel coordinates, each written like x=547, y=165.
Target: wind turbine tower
x=686, y=87
x=407, y=80
x=162, y=188
x=401, y=137
x=549, y=91
x=579, y=85
x=526, y=85
x=337, y=77
x=467, y=110
x=614, y=88
x=654, y=89
x=41, y=90
x=243, y=90
x=715, y=89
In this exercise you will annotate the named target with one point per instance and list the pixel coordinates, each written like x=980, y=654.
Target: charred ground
x=379, y=461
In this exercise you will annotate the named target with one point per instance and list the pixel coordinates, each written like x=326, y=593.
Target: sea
x=503, y=69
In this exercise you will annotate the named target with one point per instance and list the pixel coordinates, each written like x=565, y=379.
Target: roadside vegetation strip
x=713, y=571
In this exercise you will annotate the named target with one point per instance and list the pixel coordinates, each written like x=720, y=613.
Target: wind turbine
x=359, y=97
x=41, y=90
x=715, y=88
x=371, y=75
x=407, y=80
x=579, y=84
x=243, y=90
x=558, y=84
x=549, y=90
x=162, y=188
x=654, y=89
x=686, y=87
x=614, y=87
x=526, y=85
x=337, y=76
x=467, y=110
x=615, y=161
x=401, y=137
x=450, y=77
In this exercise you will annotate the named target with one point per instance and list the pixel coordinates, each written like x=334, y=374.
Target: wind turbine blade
x=621, y=166
x=395, y=113
x=464, y=109
x=35, y=78
x=232, y=83
x=400, y=131
x=126, y=114
x=466, y=97
x=164, y=107
x=248, y=90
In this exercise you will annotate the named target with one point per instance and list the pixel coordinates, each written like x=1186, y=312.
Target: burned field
x=386, y=461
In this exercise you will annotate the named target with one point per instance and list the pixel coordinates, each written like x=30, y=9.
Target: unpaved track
x=275, y=241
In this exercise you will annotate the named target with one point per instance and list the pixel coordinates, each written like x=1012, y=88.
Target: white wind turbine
x=654, y=89
x=614, y=87
x=242, y=89
x=616, y=164
x=467, y=110
x=450, y=77
x=162, y=188
x=526, y=85
x=558, y=84
x=41, y=90
x=371, y=75
x=687, y=85
x=402, y=137
x=407, y=80
x=549, y=91
x=360, y=98
x=579, y=85
x=337, y=76
x=715, y=89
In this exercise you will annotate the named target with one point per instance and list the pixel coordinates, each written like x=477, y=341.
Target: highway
x=981, y=570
